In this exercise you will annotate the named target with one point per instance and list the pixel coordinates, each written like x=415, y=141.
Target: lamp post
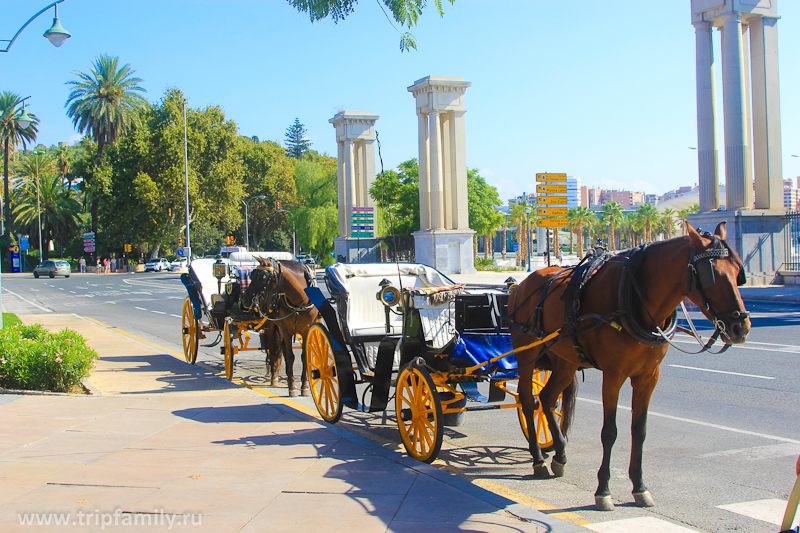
x=186, y=170
x=608, y=231
x=38, y=205
x=57, y=35
x=528, y=231
x=246, y=220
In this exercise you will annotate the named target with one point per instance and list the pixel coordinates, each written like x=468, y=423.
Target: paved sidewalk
x=165, y=443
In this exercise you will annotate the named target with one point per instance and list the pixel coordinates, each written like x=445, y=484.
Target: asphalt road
x=723, y=429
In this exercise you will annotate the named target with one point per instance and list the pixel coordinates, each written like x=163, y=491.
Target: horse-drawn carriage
x=409, y=326
x=215, y=287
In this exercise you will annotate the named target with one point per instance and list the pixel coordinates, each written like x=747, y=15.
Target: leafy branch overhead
x=405, y=12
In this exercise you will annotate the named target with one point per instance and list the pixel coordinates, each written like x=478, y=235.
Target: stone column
x=350, y=184
x=424, y=187
x=340, y=172
x=460, y=204
x=766, y=113
x=707, y=164
x=436, y=178
x=739, y=190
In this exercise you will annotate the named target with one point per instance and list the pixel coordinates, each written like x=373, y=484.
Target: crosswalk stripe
x=638, y=525
x=770, y=510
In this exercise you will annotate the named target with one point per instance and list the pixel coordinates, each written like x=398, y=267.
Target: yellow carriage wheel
x=229, y=350
x=323, y=377
x=419, y=413
x=543, y=434
x=191, y=332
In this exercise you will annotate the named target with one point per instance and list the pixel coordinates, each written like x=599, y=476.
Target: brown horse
x=276, y=290
x=642, y=294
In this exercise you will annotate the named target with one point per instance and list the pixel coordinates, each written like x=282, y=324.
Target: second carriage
x=443, y=347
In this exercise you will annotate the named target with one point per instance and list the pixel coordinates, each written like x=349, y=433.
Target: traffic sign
x=88, y=248
x=362, y=222
x=23, y=243
x=551, y=189
x=551, y=177
x=362, y=234
x=553, y=200
x=553, y=211
x=553, y=223
x=179, y=252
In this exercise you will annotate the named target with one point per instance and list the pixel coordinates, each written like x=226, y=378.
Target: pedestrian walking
x=82, y=264
x=99, y=266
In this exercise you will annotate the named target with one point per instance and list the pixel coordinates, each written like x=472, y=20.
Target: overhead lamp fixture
x=24, y=120
x=57, y=34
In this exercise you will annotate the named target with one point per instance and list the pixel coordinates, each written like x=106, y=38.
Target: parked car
x=180, y=262
x=309, y=260
x=157, y=265
x=52, y=268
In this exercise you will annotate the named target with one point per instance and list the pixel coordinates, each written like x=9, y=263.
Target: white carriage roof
x=429, y=276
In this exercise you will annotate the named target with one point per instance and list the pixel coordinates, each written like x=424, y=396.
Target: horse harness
x=279, y=297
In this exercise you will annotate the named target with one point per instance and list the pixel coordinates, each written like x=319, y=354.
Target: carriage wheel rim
x=419, y=431
x=228, y=351
x=190, y=331
x=543, y=435
x=325, y=388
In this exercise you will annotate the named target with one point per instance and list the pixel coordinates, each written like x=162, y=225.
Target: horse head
x=265, y=278
x=715, y=274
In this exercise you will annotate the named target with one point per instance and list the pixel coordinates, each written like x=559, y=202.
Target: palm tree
x=105, y=103
x=611, y=212
x=519, y=218
x=11, y=135
x=684, y=213
x=648, y=217
x=581, y=219
x=668, y=222
x=505, y=236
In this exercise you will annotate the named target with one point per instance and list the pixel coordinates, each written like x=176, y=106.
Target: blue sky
x=557, y=86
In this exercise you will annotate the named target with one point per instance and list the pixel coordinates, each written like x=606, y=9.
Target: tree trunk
x=505, y=240
x=6, y=190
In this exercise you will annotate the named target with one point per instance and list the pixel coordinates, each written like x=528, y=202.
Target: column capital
x=703, y=26
x=733, y=17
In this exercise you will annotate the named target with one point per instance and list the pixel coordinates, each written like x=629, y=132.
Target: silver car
x=52, y=268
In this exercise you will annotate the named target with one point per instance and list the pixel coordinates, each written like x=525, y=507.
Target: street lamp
x=528, y=231
x=608, y=231
x=38, y=207
x=186, y=170
x=246, y=223
x=57, y=35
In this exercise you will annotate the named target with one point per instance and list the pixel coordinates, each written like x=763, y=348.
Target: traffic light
x=169, y=211
x=180, y=242
x=277, y=205
x=127, y=248
x=229, y=239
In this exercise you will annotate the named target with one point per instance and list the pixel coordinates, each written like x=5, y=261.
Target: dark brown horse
x=276, y=290
x=642, y=294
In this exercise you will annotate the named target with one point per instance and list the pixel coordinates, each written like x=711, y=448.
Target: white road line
x=758, y=453
x=60, y=288
x=176, y=316
x=110, y=302
x=159, y=312
x=700, y=423
x=770, y=511
x=637, y=525
x=722, y=372
x=28, y=301
x=140, y=308
x=73, y=292
x=752, y=346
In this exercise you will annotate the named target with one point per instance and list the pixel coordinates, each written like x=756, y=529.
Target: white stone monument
x=752, y=119
x=355, y=138
x=444, y=240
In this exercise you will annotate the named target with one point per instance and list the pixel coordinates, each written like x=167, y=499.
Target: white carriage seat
x=203, y=271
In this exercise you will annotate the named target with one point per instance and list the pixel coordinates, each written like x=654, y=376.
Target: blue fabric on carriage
x=474, y=348
x=244, y=276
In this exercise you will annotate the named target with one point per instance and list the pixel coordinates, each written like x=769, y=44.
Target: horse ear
x=694, y=237
x=721, y=231
x=261, y=261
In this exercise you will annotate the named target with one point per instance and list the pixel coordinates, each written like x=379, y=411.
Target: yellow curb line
x=491, y=486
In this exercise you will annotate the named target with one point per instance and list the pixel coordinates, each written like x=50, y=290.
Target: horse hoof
x=643, y=499
x=293, y=393
x=540, y=471
x=273, y=382
x=558, y=468
x=305, y=391
x=603, y=503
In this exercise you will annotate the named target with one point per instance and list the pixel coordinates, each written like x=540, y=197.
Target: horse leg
x=526, y=400
x=643, y=387
x=304, y=389
x=560, y=379
x=611, y=385
x=288, y=357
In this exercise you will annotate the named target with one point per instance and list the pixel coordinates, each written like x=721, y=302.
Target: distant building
x=651, y=199
x=791, y=195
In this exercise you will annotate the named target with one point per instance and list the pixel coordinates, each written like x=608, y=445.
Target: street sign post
x=553, y=211
x=552, y=200
x=552, y=222
x=362, y=222
x=551, y=177
x=551, y=189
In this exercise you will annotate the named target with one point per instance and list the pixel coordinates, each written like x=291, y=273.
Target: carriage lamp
x=511, y=283
x=388, y=295
x=219, y=271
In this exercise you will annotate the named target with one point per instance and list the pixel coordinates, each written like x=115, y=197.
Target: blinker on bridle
x=702, y=268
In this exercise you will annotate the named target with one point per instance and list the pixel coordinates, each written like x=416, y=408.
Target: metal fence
x=791, y=244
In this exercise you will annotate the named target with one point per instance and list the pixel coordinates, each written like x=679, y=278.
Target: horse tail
x=568, y=400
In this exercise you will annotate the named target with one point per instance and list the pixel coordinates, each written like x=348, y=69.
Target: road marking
x=60, y=288
x=28, y=301
x=110, y=302
x=140, y=308
x=176, y=316
x=722, y=372
x=758, y=453
x=159, y=312
x=700, y=423
x=770, y=511
x=754, y=346
x=637, y=525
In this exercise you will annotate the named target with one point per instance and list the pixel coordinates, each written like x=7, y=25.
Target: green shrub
x=31, y=358
x=10, y=319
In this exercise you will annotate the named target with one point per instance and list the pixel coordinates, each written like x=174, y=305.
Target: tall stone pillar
x=444, y=240
x=707, y=165
x=766, y=113
x=739, y=190
x=355, y=139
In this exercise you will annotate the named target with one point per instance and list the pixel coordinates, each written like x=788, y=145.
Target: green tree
x=296, y=142
x=648, y=220
x=483, y=215
x=318, y=218
x=611, y=212
x=397, y=196
x=105, y=104
x=667, y=222
x=11, y=135
x=580, y=220
x=519, y=218
x=683, y=215
x=405, y=13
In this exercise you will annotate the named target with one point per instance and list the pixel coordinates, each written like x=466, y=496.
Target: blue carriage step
x=473, y=394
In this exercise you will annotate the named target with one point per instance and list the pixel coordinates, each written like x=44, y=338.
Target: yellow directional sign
x=551, y=177
x=553, y=211
x=557, y=200
x=551, y=189
x=553, y=223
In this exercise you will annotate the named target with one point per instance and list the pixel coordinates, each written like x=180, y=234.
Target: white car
x=157, y=265
x=178, y=263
